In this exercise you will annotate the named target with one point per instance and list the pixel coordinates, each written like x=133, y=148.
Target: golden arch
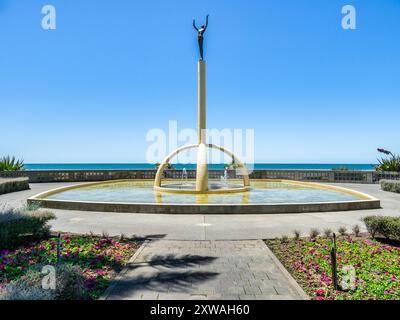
x=164, y=163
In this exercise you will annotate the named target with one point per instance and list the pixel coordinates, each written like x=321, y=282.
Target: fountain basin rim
x=365, y=202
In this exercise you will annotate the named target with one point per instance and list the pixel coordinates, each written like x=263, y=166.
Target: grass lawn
x=377, y=266
x=99, y=258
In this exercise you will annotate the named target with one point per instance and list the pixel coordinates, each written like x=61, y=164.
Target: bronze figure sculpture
x=201, y=31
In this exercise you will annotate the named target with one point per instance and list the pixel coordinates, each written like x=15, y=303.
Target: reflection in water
x=200, y=198
x=142, y=191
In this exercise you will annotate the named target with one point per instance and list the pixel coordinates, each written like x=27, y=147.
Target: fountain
x=184, y=175
x=242, y=196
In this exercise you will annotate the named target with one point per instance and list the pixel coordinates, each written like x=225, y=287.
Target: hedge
x=389, y=227
x=14, y=184
x=15, y=225
x=390, y=185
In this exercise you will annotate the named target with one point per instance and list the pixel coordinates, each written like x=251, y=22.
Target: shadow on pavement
x=163, y=274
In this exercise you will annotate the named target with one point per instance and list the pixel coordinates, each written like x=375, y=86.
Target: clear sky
x=90, y=90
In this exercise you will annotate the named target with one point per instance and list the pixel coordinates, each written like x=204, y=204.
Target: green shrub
x=14, y=184
x=69, y=285
x=356, y=230
x=11, y=164
x=15, y=224
x=18, y=291
x=342, y=231
x=389, y=227
x=390, y=185
x=371, y=223
x=314, y=233
x=284, y=239
x=297, y=234
x=328, y=232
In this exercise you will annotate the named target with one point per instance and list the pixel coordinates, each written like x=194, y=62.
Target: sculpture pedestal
x=202, y=168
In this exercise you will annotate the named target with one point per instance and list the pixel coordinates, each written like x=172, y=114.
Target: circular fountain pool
x=264, y=196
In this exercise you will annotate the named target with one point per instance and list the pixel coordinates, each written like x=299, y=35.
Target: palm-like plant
x=388, y=164
x=11, y=164
x=168, y=167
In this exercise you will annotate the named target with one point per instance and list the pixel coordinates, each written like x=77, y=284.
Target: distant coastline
x=137, y=166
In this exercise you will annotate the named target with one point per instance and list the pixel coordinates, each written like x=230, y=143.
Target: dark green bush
x=389, y=227
x=390, y=185
x=15, y=224
x=14, y=184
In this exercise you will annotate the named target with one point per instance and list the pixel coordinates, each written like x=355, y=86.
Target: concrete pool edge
x=366, y=202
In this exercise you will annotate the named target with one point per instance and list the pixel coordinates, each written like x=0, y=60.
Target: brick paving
x=217, y=270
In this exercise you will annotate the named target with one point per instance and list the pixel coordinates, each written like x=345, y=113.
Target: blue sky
x=90, y=90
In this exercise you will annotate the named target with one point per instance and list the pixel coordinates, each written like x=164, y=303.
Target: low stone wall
x=13, y=184
x=339, y=176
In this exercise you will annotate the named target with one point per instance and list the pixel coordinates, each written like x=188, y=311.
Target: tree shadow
x=386, y=241
x=152, y=237
x=163, y=276
x=173, y=261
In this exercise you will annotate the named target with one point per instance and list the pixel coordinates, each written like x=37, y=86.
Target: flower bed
x=377, y=266
x=98, y=258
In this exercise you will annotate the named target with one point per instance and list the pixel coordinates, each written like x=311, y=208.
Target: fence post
x=59, y=249
x=334, y=263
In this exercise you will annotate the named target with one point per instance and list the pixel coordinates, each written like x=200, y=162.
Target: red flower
x=320, y=292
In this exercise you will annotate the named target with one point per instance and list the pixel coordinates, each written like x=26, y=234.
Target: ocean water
x=133, y=166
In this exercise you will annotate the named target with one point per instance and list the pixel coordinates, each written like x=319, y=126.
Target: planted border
x=390, y=185
x=376, y=265
x=13, y=185
x=88, y=260
x=17, y=225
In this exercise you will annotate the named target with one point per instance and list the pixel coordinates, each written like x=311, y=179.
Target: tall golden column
x=202, y=169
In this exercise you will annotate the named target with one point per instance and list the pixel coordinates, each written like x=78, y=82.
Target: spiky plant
x=11, y=164
x=169, y=166
x=388, y=164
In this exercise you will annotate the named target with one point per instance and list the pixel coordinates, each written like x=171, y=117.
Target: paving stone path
x=170, y=270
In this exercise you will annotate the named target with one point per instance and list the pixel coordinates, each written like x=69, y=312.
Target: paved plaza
x=207, y=227
x=233, y=270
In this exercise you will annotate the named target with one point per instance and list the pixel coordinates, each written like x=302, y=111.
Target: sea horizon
x=149, y=166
